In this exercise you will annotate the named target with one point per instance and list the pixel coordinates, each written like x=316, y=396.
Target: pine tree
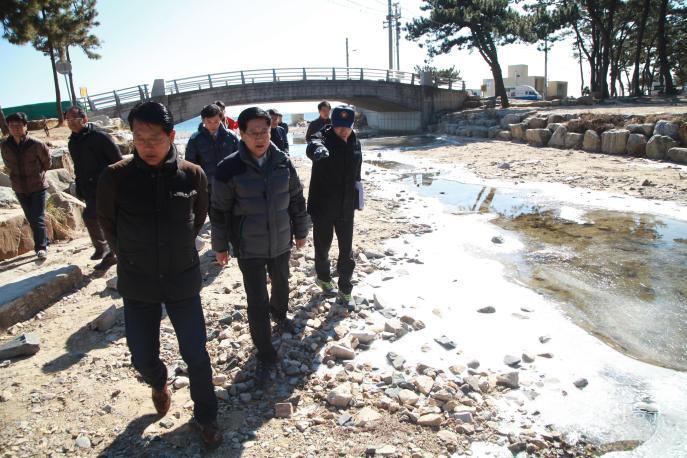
x=50, y=26
x=474, y=24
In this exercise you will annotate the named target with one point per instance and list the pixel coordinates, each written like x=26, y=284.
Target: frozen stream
x=601, y=275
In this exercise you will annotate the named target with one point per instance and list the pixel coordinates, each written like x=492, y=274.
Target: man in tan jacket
x=27, y=159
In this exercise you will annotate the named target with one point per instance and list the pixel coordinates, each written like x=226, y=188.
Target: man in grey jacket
x=257, y=208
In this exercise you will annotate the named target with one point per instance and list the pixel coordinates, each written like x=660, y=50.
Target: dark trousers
x=323, y=232
x=142, y=322
x=90, y=219
x=260, y=304
x=33, y=205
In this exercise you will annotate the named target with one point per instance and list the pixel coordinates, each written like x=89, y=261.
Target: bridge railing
x=272, y=75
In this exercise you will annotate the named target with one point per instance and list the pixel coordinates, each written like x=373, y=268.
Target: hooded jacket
x=332, y=193
x=26, y=163
x=207, y=151
x=256, y=210
x=92, y=150
x=151, y=217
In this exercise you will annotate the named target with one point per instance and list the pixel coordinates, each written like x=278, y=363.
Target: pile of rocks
x=661, y=140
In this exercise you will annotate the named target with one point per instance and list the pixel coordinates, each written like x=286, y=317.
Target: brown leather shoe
x=211, y=435
x=162, y=399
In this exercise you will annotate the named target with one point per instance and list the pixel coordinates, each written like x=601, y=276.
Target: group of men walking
x=143, y=213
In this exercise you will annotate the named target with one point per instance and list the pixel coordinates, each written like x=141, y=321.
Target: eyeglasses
x=152, y=142
x=257, y=134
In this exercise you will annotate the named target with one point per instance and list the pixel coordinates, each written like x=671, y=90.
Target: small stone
x=510, y=380
x=111, y=283
x=465, y=428
x=283, y=410
x=5, y=396
x=396, y=360
x=544, y=339
x=341, y=352
x=106, y=320
x=340, y=396
x=463, y=416
x=424, y=384
x=581, y=383
x=432, y=419
x=367, y=417
x=457, y=369
x=497, y=239
x=473, y=364
x=245, y=397
x=219, y=379
x=25, y=344
x=528, y=357
x=83, y=441
x=487, y=309
x=166, y=423
x=385, y=450
x=181, y=382
x=510, y=360
x=407, y=397
x=446, y=342
x=447, y=436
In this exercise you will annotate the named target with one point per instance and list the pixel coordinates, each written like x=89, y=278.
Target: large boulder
x=59, y=180
x=677, y=155
x=479, y=132
x=556, y=118
x=8, y=199
x=682, y=133
x=538, y=137
x=493, y=131
x=517, y=131
x=535, y=123
x=576, y=125
x=511, y=118
x=644, y=129
x=667, y=129
x=658, y=146
x=558, y=137
x=591, y=142
x=61, y=159
x=504, y=135
x=15, y=233
x=636, y=145
x=574, y=140
x=614, y=141
x=67, y=211
x=553, y=126
x=585, y=100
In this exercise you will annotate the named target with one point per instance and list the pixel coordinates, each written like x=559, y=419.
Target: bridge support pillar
x=158, y=88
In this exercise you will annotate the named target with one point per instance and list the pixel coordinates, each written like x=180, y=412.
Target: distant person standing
x=282, y=124
x=151, y=207
x=324, y=108
x=277, y=132
x=227, y=122
x=211, y=143
x=334, y=195
x=27, y=159
x=257, y=210
x=92, y=150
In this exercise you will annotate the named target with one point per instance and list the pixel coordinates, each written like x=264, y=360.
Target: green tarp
x=38, y=110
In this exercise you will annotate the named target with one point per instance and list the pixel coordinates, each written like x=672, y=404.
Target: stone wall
x=639, y=136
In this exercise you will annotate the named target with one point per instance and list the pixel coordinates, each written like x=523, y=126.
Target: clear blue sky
x=144, y=40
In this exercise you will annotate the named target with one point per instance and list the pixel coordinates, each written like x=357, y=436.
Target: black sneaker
x=97, y=254
x=263, y=371
x=108, y=261
x=285, y=326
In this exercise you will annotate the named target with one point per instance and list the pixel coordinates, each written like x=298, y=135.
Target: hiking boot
x=344, y=298
x=210, y=434
x=97, y=254
x=108, y=261
x=262, y=373
x=162, y=399
x=42, y=254
x=327, y=287
x=285, y=326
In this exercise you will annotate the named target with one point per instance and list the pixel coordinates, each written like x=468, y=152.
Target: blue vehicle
x=524, y=92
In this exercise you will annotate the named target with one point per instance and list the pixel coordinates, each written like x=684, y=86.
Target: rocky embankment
x=656, y=136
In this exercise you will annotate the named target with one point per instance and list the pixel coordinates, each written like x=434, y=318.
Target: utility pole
x=397, y=18
x=389, y=22
x=346, y=52
x=546, y=67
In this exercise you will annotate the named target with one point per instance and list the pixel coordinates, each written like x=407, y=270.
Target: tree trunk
x=71, y=78
x=636, y=91
x=58, y=97
x=579, y=55
x=498, y=82
x=668, y=88
x=3, y=123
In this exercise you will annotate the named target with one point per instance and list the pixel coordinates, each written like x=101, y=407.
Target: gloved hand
x=320, y=153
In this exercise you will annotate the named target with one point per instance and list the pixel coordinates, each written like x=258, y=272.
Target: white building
x=518, y=76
